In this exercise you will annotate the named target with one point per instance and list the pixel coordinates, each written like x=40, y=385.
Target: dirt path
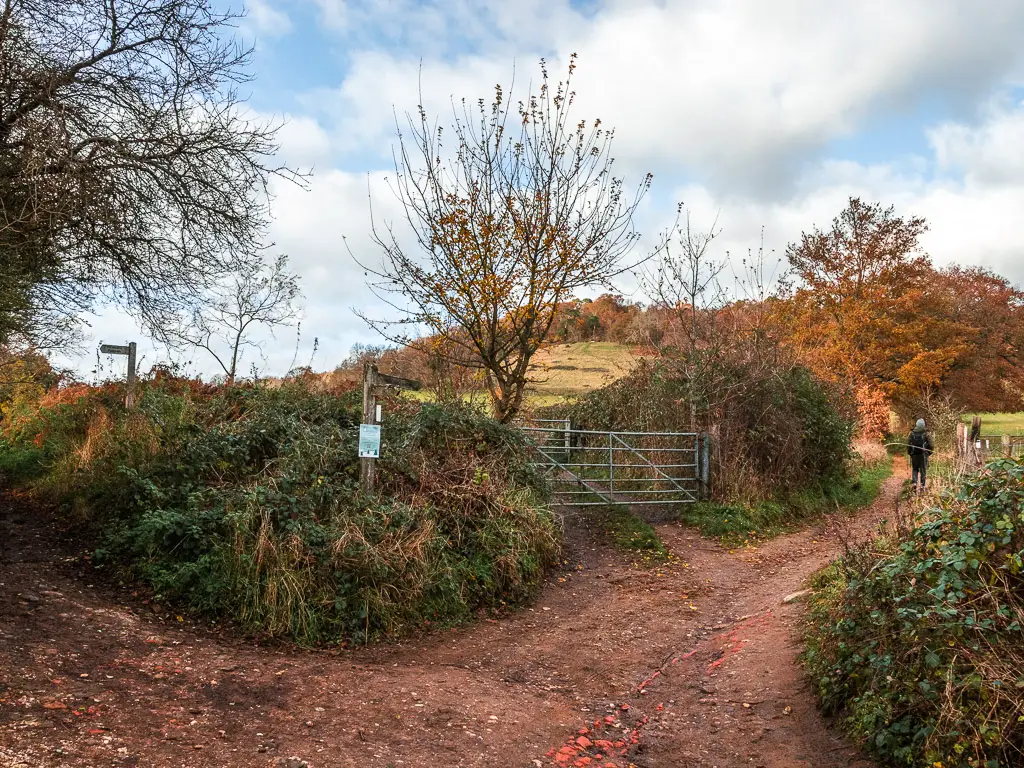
x=689, y=664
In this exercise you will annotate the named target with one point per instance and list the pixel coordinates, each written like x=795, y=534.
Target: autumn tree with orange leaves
x=870, y=310
x=508, y=221
x=984, y=315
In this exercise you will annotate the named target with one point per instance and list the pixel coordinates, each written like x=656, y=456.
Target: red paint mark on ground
x=734, y=642
x=605, y=743
x=640, y=688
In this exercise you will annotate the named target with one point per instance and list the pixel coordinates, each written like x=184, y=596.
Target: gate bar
x=614, y=432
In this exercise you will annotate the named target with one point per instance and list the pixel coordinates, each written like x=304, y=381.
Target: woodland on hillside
x=859, y=304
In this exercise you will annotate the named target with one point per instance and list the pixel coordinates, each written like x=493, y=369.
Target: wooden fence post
x=367, y=465
x=975, y=443
x=371, y=379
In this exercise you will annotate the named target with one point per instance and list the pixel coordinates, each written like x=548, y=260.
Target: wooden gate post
x=704, y=464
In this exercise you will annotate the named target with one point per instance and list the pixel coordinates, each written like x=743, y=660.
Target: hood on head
x=919, y=427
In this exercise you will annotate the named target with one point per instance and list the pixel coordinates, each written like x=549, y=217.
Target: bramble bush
x=917, y=640
x=243, y=504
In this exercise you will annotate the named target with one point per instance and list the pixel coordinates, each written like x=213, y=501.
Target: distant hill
x=558, y=371
x=565, y=370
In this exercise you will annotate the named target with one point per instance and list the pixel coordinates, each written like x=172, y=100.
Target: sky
x=764, y=116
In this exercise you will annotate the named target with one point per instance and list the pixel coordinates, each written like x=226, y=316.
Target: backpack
x=917, y=443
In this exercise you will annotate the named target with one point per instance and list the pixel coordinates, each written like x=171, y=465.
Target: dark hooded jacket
x=919, y=446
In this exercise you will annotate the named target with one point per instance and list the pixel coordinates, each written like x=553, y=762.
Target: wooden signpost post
x=129, y=350
x=369, y=429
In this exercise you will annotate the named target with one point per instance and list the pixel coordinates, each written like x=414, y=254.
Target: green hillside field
x=565, y=370
x=999, y=423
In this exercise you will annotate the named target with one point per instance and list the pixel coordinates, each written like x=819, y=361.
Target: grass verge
x=738, y=523
x=630, y=532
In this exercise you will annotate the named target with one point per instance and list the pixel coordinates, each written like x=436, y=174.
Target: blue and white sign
x=369, y=441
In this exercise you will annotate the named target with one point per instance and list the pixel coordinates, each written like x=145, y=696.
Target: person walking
x=919, y=448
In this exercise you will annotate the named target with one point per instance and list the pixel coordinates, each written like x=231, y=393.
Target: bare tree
x=129, y=167
x=258, y=294
x=685, y=278
x=520, y=213
x=761, y=283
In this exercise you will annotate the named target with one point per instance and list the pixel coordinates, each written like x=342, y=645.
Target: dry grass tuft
x=870, y=451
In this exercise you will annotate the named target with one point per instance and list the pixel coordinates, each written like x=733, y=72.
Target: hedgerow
x=776, y=428
x=243, y=504
x=917, y=640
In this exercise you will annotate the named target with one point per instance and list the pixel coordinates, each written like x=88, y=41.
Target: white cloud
x=333, y=13
x=741, y=92
x=265, y=19
x=973, y=221
x=304, y=142
x=991, y=152
x=977, y=225
x=322, y=229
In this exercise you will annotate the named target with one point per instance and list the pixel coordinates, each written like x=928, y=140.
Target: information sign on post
x=369, y=430
x=369, y=441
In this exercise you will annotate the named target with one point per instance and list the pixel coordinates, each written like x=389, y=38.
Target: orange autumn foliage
x=872, y=413
x=871, y=311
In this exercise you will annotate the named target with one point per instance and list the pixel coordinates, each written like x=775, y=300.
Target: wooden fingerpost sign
x=129, y=350
x=369, y=429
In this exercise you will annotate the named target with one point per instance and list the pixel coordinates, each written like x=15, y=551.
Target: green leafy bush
x=917, y=640
x=243, y=504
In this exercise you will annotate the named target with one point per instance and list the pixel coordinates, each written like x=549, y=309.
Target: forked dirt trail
x=689, y=664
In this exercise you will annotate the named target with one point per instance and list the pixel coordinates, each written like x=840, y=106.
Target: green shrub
x=917, y=641
x=243, y=504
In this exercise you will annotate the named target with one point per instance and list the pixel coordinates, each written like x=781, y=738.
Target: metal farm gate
x=595, y=468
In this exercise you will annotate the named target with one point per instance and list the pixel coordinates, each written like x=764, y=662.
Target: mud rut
x=689, y=664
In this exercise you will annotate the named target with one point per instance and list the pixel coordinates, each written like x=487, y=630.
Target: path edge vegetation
x=748, y=522
x=241, y=505
x=743, y=524
x=914, y=640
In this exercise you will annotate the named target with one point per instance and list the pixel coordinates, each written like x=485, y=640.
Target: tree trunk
x=506, y=398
